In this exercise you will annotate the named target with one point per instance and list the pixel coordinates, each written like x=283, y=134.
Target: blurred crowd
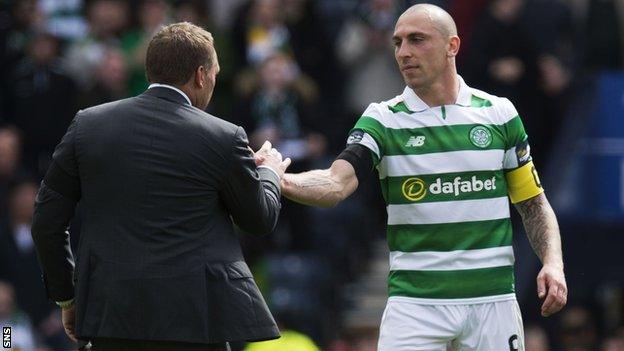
x=298, y=73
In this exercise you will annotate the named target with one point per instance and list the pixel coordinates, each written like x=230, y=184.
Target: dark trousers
x=109, y=344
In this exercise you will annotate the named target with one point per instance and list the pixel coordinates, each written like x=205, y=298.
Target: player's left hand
x=69, y=321
x=551, y=286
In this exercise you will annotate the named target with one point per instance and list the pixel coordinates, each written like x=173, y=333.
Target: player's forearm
x=315, y=188
x=540, y=224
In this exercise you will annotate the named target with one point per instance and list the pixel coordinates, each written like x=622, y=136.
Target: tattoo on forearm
x=540, y=224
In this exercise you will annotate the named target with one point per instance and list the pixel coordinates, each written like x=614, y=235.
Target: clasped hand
x=268, y=156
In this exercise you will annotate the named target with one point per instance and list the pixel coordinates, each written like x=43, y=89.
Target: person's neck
x=442, y=92
x=190, y=93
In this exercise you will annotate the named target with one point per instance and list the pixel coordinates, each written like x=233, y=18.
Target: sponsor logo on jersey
x=414, y=189
x=415, y=141
x=480, y=136
x=355, y=137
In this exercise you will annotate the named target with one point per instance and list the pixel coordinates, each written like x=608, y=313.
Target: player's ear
x=453, y=46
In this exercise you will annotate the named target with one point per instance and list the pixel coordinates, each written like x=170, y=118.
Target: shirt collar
x=464, y=97
x=415, y=103
x=156, y=85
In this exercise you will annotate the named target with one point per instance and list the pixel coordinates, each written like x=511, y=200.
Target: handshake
x=268, y=156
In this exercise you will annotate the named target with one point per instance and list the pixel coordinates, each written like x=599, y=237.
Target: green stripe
x=392, y=141
x=374, y=128
x=450, y=236
x=395, y=187
x=400, y=107
x=514, y=129
x=438, y=139
x=459, y=284
x=476, y=101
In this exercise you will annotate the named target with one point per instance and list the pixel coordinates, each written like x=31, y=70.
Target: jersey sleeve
x=369, y=132
x=522, y=180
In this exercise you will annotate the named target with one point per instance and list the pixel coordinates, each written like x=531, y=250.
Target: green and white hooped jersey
x=442, y=172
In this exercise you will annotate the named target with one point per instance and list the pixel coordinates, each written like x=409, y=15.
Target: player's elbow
x=328, y=203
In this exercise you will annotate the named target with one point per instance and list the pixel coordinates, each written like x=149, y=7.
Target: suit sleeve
x=251, y=194
x=54, y=208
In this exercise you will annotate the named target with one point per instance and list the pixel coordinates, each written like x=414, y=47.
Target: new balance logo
x=415, y=141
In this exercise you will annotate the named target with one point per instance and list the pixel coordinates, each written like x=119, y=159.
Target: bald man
x=450, y=158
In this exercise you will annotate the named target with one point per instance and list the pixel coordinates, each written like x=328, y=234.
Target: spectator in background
x=152, y=15
x=42, y=97
x=577, y=330
x=197, y=12
x=503, y=60
x=549, y=25
x=22, y=337
x=312, y=49
x=265, y=27
x=465, y=14
x=282, y=108
x=25, y=20
x=64, y=18
x=536, y=339
x=602, y=23
x=366, y=52
x=17, y=253
x=17, y=30
x=259, y=31
x=613, y=343
x=359, y=334
x=106, y=21
x=193, y=11
x=10, y=156
x=19, y=265
x=111, y=80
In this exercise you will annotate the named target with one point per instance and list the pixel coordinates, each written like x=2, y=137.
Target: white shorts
x=491, y=326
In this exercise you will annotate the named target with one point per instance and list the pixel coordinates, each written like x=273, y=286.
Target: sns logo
x=415, y=141
x=6, y=337
x=414, y=189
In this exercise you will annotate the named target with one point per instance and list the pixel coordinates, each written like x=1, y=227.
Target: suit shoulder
x=104, y=109
x=212, y=122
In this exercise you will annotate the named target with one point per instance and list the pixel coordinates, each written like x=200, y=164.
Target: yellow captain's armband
x=523, y=183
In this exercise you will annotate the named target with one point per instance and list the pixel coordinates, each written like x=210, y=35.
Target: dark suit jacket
x=162, y=184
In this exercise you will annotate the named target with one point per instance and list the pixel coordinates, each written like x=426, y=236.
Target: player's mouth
x=408, y=68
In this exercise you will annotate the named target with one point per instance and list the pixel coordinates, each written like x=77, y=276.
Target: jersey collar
x=415, y=104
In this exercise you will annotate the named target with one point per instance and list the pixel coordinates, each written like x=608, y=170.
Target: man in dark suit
x=159, y=266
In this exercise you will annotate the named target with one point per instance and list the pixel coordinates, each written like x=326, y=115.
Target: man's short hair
x=176, y=51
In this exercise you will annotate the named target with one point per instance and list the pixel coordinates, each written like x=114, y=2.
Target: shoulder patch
x=355, y=137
